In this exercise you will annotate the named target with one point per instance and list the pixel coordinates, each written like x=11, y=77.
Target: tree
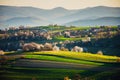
x=48, y=47
x=118, y=59
x=3, y=60
x=100, y=53
x=55, y=48
x=66, y=78
x=77, y=77
x=77, y=49
x=64, y=49
x=2, y=52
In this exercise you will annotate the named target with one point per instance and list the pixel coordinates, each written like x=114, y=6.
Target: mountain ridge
x=58, y=15
x=106, y=21
x=93, y=11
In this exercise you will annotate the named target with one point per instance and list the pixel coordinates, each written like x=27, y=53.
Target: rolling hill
x=13, y=11
x=110, y=21
x=31, y=21
x=91, y=13
x=12, y=16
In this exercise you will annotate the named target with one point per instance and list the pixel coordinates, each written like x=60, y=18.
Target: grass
x=108, y=75
x=69, y=57
x=80, y=56
x=12, y=53
x=20, y=73
x=80, y=28
x=70, y=39
x=26, y=73
x=61, y=59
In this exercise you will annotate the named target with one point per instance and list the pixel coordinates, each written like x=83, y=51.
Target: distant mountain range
x=97, y=22
x=100, y=15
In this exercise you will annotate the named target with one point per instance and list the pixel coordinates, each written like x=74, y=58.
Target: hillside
x=38, y=60
x=30, y=21
x=92, y=13
x=11, y=15
x=57, y=65
x=8, y=12
x=111, y=21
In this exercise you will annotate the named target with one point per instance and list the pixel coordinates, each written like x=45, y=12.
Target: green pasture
x=22, y=73
x=64, y=38
x=78, y=56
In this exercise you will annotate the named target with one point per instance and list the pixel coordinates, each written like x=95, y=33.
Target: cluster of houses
x=23, y=33
x=105, y=31
x=27, y=35
x=13, y=37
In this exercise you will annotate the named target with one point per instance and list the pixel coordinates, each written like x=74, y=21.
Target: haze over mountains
x=100, y=15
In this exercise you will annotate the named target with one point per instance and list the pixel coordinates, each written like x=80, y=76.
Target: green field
x=76, y=55
x=64, y=38
x=19, y=73
x=26, y=73
x=61, y=59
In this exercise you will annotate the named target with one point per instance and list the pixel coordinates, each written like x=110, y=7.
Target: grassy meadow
x=75, y=55
x=10, y=72
x=20, y=73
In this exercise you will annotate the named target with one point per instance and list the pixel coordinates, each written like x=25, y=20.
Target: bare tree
x=100, y=52
x=48, y=47
x=77, y=49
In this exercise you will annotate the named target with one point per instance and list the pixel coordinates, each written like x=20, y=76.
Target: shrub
x=77, y=49
x=2, y=52
x=64, y=49
x=48, y=47
x=22, y=57
x=100, y=53
x=31, y=46
x=77, y=77
x=66, y=78
x=3, y=60
x=55, y=48
x=33, y=78
x=118, y=59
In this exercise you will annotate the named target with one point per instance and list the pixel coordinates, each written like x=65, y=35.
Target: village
x=48, y=38
x=59, y=49
x=59, y=39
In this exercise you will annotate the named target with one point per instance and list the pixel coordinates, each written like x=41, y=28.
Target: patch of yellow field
x=83, y=56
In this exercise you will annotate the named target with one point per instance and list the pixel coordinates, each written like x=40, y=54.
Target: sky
x=68, y=4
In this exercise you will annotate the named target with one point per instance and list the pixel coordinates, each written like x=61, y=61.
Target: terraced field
x=73, y=55
x=55, y=65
